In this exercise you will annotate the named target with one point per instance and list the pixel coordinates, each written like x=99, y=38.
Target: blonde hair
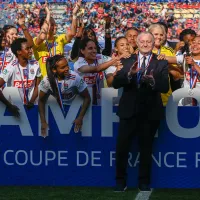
x=158, y=26
x=154, y=26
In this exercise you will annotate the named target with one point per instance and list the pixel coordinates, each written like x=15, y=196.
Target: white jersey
x=187, y=101
x=8, y=57
x=23, y=78
x=69, y=87
x=91, y=78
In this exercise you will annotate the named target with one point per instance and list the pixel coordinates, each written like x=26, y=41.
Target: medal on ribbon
x=25, y=86
x=3, y=60
x=59, y=86
x=193, y=78
x=50, y=46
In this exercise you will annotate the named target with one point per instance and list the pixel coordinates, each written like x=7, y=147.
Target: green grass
x=85, y=193
x=175, y=194
x=63, y=193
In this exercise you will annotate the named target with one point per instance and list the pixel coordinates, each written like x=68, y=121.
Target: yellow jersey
x=168, y=51
x=41, y=52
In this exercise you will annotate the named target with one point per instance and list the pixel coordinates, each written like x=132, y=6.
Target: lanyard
x=49, y=47
x=139, y=74
x=97, y=80
x=193, y=81
x=59, y=86
x=25, y=87
x=158, y=52
x=3, y=60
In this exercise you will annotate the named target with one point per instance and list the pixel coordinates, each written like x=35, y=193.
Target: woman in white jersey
x=122, y=50
x=23, y=74
x=90, y=67
x=192, y=71
x=11, y=34
x=64, y=85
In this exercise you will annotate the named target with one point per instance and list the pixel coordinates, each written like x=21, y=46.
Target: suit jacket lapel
x=151, y=64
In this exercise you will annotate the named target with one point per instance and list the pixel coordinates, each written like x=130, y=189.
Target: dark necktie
x=143, y=64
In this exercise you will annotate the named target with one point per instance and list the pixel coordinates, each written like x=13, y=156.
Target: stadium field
x=83, y=193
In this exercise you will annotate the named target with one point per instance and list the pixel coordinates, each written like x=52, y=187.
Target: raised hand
x=189, y=60
x=179, y=46
x=77, y=7
x=125, y=55
x=149, y=79
x=161, y=57
x=46, y=7
x=21, y=19
x=134, y=69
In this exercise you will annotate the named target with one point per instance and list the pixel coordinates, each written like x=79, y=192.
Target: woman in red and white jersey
x=91, y=66
x=11, y=34
x=192, y=71
x=64, y=85
x=21, y=73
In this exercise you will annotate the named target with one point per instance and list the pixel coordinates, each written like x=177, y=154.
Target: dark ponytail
x=50, y=65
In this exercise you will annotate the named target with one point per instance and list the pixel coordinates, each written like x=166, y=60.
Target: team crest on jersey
x=66, y=86
x=5, y=71
x=8, y=55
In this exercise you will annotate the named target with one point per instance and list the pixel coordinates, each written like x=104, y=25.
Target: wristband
x=24, y=29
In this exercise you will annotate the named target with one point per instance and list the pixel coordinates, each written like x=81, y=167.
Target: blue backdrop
x=74, y=160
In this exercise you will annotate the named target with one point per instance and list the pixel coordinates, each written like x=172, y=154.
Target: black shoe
x=144, y=188
x=120, y=188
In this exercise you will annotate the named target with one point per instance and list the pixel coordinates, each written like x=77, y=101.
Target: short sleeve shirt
x=41, y=52
x=72, y=85
x=90, y=78
x=21, y=77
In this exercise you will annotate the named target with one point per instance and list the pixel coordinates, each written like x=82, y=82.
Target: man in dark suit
x=143, y=78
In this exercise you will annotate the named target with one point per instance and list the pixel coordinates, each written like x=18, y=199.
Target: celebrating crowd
x=143, y=62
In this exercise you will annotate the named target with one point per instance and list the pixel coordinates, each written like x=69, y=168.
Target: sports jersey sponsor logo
x=19, y=84
x=44, y=59
x=90, y=79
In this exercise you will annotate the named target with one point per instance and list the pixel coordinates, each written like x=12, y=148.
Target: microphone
x=187, y=50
